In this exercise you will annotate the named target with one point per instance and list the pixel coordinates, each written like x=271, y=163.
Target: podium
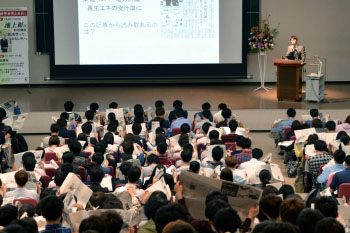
x=289, y=79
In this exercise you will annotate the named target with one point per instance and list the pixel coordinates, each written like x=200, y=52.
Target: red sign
x=13, y=13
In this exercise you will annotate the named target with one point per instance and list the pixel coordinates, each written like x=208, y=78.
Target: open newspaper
x=276, y=173
x=74, y=185
x=327, y=137
x=211, y=128
x=310, y=150
x=196, y=187
x=107, y=183
x=241, y=131
x=18, y=157
x=9, y=179
x=15, y=121
x=160, y=185
x=119, y=115
x=302, y=134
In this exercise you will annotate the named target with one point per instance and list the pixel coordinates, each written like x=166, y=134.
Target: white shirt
x=20, y=193
x=138, y=192
x=218, y=117
x=251, y=163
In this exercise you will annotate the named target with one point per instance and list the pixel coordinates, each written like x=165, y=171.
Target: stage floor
x=236, y=96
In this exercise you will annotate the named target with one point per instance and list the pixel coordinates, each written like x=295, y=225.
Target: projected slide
x=148, y=32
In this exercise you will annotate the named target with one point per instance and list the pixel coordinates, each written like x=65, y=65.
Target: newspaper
x=346, y=149
x=225, y=130
x=196, y=187
x=160, y=185
x=170, y=169
x=285, y=143
x=155, y=125
x=8, y=200
x=8, y=106
x=15, y=121
x=74, y=185
x=302, y=134
x=54, y=164
x=327, y=137
x=219, y=130
x=18, y=157
x=143, y=130
x=9, y=179
x=268, y=158
x=310, y=150
x=134, y=162
x=344, y=216
x=210, y=152
x=119, y=115
x=125, y=198
x=107, y=183
x=241, y=131
x=276, y=173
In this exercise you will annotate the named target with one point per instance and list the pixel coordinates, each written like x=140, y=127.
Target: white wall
x=321, y=25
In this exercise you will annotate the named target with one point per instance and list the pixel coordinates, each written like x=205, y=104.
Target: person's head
x=21, y=178
x=64, y=116
x=113, y=126
x=159, y=104
x=269, y=189
x=330, y=125
x=75, y=147
x=112, y=221
x=112, y=202
x=86, y=128
x=214, y=195
x=52, y=208
x=62, y=123
x=94, y=107
x=314, y=113
x=270, y=206
x=205, y=127
x=307, y=220
x=345, y=139
x=136, y=128
x=124, y=168
x=195, y=167
x=8, y=213
x=96, y=173
x=97, y=199
x=286, y=190
x=154, y=202
x=113, y=105
x=89, y=115
x=226, y=113
x=291, y=112
x=316, y=123
x=328, y=206
x=222, y=106
x=265, y=177
x=68, y=106
x=67, y=157
x=320, y=146
x=111, y=116
x=257, y=153
x=54, y=128
x=290, y=209
x=27, y=208
x=93, y=222
x=162, y=147
x=311, y=139
x=24, y=225
x=226, y=174
x=227, y=220
x=134, y=174
x=339, y=156
x=152, y=159
x=179, y=226
x=279, y=227
x=206, y=114
x=177, y=104
x=329, y=225
x=160, y=112
x=29, y=164
x=217, y=153
x=169, y=213
x=347, y=161
x=214, y=135
x=212, y=207
x=97, y=158
x=296, y=125
x=179, y=113
x=233, y=125
x=60, y=176
x=186, y=156
x=294, y=40
x=54, y=141
x=67, y=168
x=243, y=142
x=231, y=161
x=185, y=128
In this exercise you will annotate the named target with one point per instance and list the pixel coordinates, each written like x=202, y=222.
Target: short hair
x=205, y=127
x=134, y=174
x=186, y=156
x=52, y=208
x=27, y=208
x=296, y=125
x=339, y=156
x=113, y=126
x=265, y=177
x=290, y=209
x=227, y=220
x=21, y=178
x=177, y=104
x=217, y=153
x=136, y=128
x=314, y=112
x=307, y=220
x=206, y=114
x=98, y=158
x=233, y=125
x=213, y=207
x=291, y=112
x=68, y=157
x=169, y=213
x=329, y=225
x=112, y=202
x=162, y=148
x=94, y=107
x=96, y=173
x=320, y=145
x=159, y=103
x=68, y=106
x=214, y=134
x=257, y=153
x=231, y=161
x=268, y=190
x=29, y=163
x=180, y=113
x=100, y=148
x=316, y=123
x=97, y=199
x=270, y=205
x=160, y=111
x=8, y=213
x=243, y=142
x=93, y=222
x=195, y=166
x=222, y=106
x=214, y=195
x=124, y=168
x=206, y=106
x=67, y=167
x=293, y=37
x=330, y=125
x=54, y=128
x=62, y=122
x=86, y=128
x=54, y=140
x=347, y=120
x=64, y=116
x=185, y=128
x=279, y=227
x=156, y=200
x=75, y=147
x=226, y=174
x=89, y=114
x=111, y=116
x=347, y=160
x=152, y=158
x=60, y=176
x=226, y=113
x=328, y=206
x=286, y=190
x=345, y=139
x=179, y=226
x=113, y=105
x=112, y=220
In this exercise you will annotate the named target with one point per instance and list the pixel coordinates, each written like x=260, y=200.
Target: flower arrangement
x=262, y=37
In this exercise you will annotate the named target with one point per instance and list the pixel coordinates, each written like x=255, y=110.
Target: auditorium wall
x=321, y=25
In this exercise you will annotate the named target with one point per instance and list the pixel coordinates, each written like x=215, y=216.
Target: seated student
x=177, y=105
x=90, y=116
x=93, y=223
x=265, y=178
x=199, y=116
x=113, y=129
x=328, y=206
x=21, y=178
x=191, y=149
x=152, y=161
x=195, y=167
x=96, y=175
x=339, y=157
x=307, y=220
x=68, y=157
x=317, y=124
x=59, y=178
x=277, y=130
x=159, y=104
x=87, y=147
x=226, y=115
x=270, y=207
x=242, y=152
x=206, y=119
x=217, y=154
x=226, y=174
x=54, y=142
x=233, y=125
x=34, y=175
x=231, y=162
x=79, y=156
x=180, y=119
x=137, y=130
x=345, y=126
x=123, y=177
x=290, y=209
x=139, y=115
x=86, y=129
x=169, y=213
x=227, y=220
x=186, y=157
x=330, y=126
x=99, y=159
x=54, y=128
x=64, y=132
x=112, y=221
x=134, y=174
x=315, y=115
x=321, y=158
x=68, y=107
x=52, y=210
x=203, y=138
x=217, y=116
x=108, y=140
x=342, y=176
x=329, y=225
x=160, y=117
x=255, y=161
x=286, y=190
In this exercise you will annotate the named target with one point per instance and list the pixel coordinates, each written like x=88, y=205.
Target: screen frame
x=150, y=71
